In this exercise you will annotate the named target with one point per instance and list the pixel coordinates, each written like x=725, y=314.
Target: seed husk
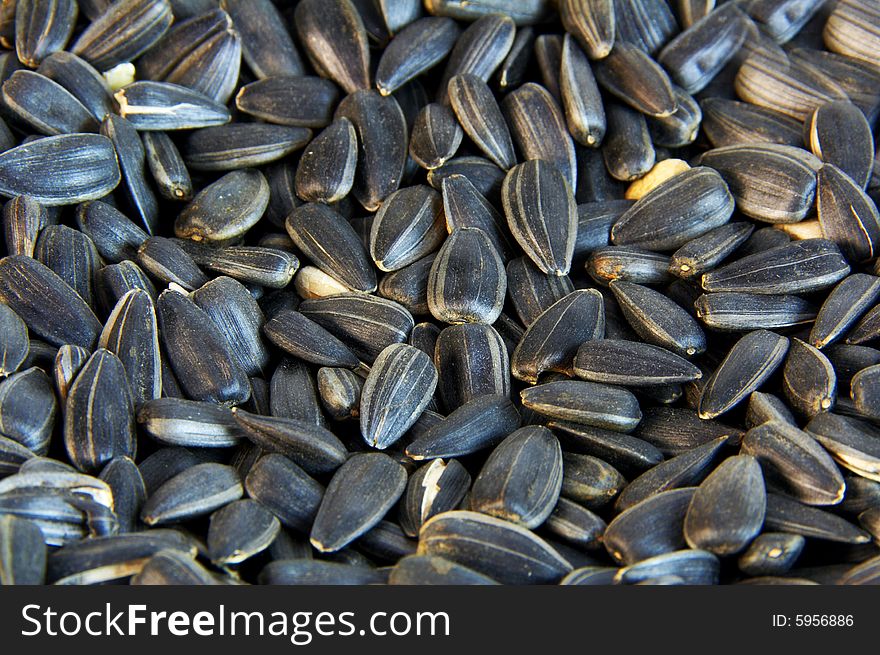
x=359, y=495
x=239, y=531
x=850, y=31
x=479, y=115
x=505, y=487
x=295, y=101
x=731, y=122
x=72, y=255
x=407, y=227
x=735, y=311
x=587, y=403
x=42, y=27
x=23, y=218
x=808, y=379
x=129, y=492
x=167, y=261
x=865, y=389
x=305, y=339
x=465, y=206
x=592, y=23
x=481, y=423
x=787, y=515
x=435, y=487
x=60, y=170
x=590, y=481
x=627, y=148
x=116, y=237
x=643, y=23
x=286, y=490
x=630, y=363
x=857, y=78
x=431, y=570
x=418, y=47
x=471, y=361
x=309, y=572
x=747, y=365
x=325, y=172
x=538, y=127
x=230, y=147
x=478, y=51
x=652, y=527
x=797, y=461
x=796, y=267
x=268, y=267
x=98, y=413
x=197, y=491
x=266, y=44
x=628, y=264
x=14, y=342
x=838, y=133
x=173, y=568
x=238, y=316
x=123, y=31
x=771, y=553
x=45, y=105
x=190, y=423
x=707, y=251
x=382, y=145
x=28, y=409
x=852, y=443
x=409, y=286
x=496, y=548
x=366, y=324
x=335, y=41
x=847, y=215
x=484, y=175
x=167, y=167
x=151, y=106
x=629, y=74
x=199, y=353
x=398, y=388
x=226, y=209
x=22, y=552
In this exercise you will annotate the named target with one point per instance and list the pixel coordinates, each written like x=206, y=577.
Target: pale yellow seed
x=311, y=282
x=803, y=230
x=119, y=76
x=662, y=171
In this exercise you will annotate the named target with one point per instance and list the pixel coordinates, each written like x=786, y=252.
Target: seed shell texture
x=632, y=76
x=45, y=105
x=627, y=148
x=630, y=363
x=195, y=492
x=407, y=227
x=838, y=133
x=295, y=101
x=581, y=100
x=847, y=215
x=465, y=206
x=478, y=112
x=479, y=50
x=592, y=23
x=266, y=44
x=436, y=136
x=731, y=122
x=22, y=552
x=325, y=172
x=14, y=342
x=360, y=493
x=301, y=337
x=151, y=106
x=808, y=379
x=418, y=47
x=235, y=146
x=225, y=209
x=167, y=167
x=28, y=410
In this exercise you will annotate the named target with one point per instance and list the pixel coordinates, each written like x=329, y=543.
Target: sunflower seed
x=42, y=27
x=382, y=138
x=173, y=568
x=28, y=409
x=286, y=490
x=512, y=70
x=479, y=50
x=707, y=251
x=308, y=572
x=408, y=226
x=857, y=78
x=303, y=338
x=501, y=550
x=196, y=492
x=115, y=236
x=652, y=527
x=190, y=423
x=129, y=492
x=315, y=228
x=587, y=403
x=479, y=115
x=98, y=413
x=45, y=105
x=266, y=267
x=797, y=267
x=771, y=553
x=340, y=392
x=627, y=264
x=402, y=378
x=590, y=575
x=431, y=570
x=839, y=134
x=151, y=106
x=627, y=148
x=643, y=23
x=481, y=423
x=22, y=552
x=326, y=169
x=364, y=323
x=23, y=218
x=225, y=209
x=505, y=487
x=298, y=101
x=167, y=167
x=465, y=206
x=335, y=41
x=357, y=498
x=592, y=23
x=847, y=215
x=730, y=122
x=72, y=256
x=471, y=361
x=852, y=443
x=409, y=286
x=420, y=46
x=14, y=343
x=436, y=487
x=731, y=310
x=749, y=363
x=435, y=136
x=198, y=352
x=538, y=127
x=266, y=44
x=229, y=147
x=630, y=75
x=60, y=170
x=115, y=280
x=123, y=31
x=531, y=291
x=864, y=389
x=548, y=52
x=850, y=30
x=795, y=459
x=809, y=380
x=631, y=363
x=165, y=260
x=787, y=515
x=485, y=176
x=590, y=481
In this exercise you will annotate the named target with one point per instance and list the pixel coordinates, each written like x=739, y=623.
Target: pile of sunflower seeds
x=392, y=291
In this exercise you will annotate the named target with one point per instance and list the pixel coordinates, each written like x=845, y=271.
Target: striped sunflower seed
x=23, y=218
x=735, y=311
x=151, y=106
x=857, y=78
x=478, y=51
x=631, y=75
x=436, y=136
x=628, y=264
x=286, y=490
x=431, y=570
x=225, y=209
x=401, y=377
x=592, y=23
x=407, y=227
x=98, y=413
x=42, y=27
x=68, y=362
x=630, y=363
x=771, y=553
x=189, y=423
x=28, y=409
x=627, y=148
x=299, y=101
x=538, y=127
x=625, y=452
x=505, y=487
x=852, y=443
x=548, y=52
x=481, y=423
x=418, y=47
x=72, y=255
x=838, y=133
x=266, y=45
x=748, y=364
x=808, y=379
x=478, y=113
x=865, y=391
x=409, y=286
x=587, y=403
x=730, y=122
x=787, y=515
x=501, y=550
x=197, y=491
x=167, y=167
x=793, y=458
x=647, y=25
x=129, y=492
x=132, y=156
x=340, y=392
x=692, y=567
x=465, y=206
x=532, y=291
x=22, y=551
x=797, y=267
x=325, y=172
x=299, y=336
x=847, y=215
x=45, y=105
x=229, y=147
x=851, y=30
x=485, y=176
x=239, y=531
x=707, y=251
x=436, y=487
x=115, y=236
x=14, y=343
x=60, y=170
x=168, y=262
x=471, y=361
x=584, y=112
x=335, y=41
x=590, y=481
x=359, y=495
x=172, y=568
